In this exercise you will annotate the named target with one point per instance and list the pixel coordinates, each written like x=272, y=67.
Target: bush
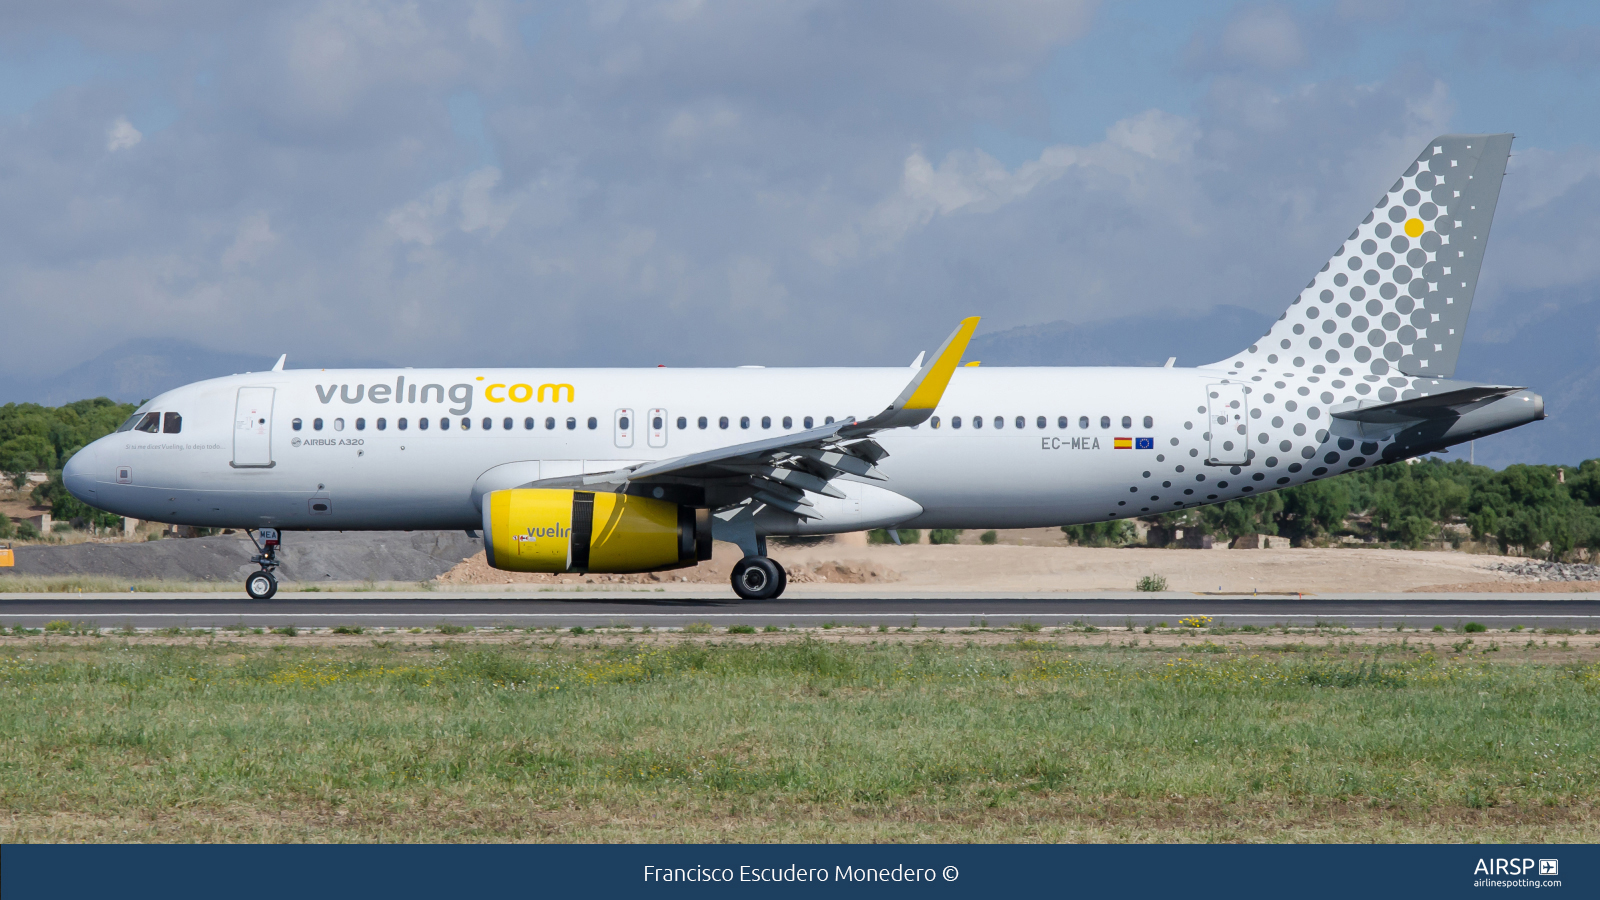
x=1030, y=627
x=989, y=537
x=741, y=629
x=881, y=536
x=6, y=528
x=348, y=629
x=1151, y=583
x=449, y=628
x=286, y=631
x=1474, y=627
x=698, y=628
x=944, y=536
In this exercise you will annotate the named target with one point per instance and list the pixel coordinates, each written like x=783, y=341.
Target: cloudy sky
x=810, y=182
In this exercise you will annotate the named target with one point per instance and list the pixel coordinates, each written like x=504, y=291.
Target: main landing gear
x=759, y=578
x=262, y=585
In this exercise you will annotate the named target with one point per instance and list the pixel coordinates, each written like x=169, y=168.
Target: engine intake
x=547, y=530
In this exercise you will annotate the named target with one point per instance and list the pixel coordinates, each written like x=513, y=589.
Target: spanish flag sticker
x=1122, y=443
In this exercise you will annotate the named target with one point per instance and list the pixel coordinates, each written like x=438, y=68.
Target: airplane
x=635, y=470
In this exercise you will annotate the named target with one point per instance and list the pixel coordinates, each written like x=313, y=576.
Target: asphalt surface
x=796, y=608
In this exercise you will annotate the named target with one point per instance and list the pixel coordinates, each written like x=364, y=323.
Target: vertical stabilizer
x=1396, y=295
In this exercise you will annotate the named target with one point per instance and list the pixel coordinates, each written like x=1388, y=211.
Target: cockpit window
x=132, y=421
x=172, y=423
x=151, y=423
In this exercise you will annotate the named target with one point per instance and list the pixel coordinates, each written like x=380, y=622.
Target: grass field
x=787, y=737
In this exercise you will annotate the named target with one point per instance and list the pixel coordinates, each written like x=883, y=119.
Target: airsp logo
x=1549, y=867
x=294, y=442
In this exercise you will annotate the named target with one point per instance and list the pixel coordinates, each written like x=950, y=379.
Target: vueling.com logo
x=401, y=393
x=536, y=533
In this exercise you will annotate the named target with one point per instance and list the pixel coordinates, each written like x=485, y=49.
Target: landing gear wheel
x=261, y=585
x=758, y=578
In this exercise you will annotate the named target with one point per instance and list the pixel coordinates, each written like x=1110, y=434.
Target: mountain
x=136, y=370
x=1547, y=343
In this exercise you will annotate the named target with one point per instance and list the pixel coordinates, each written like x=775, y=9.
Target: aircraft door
x=252, y=428
x=624, y=427
x=658, y=427
x=1228, y=424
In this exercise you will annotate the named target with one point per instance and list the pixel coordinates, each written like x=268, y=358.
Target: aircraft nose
x=79, y=473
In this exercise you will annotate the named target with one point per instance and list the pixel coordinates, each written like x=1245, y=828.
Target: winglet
x=278, y=366
x=915, y=404
x=925, y=390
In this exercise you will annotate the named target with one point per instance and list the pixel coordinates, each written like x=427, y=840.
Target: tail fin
x=1398, y=292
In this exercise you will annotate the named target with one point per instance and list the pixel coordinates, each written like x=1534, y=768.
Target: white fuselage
x=316, y=456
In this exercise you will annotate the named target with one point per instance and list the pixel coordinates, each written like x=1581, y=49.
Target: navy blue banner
x=311, y=872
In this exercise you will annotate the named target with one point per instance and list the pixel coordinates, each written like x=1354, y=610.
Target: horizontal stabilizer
x=1428, y=406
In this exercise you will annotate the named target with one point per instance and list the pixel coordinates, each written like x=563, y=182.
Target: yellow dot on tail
x=1414, y=227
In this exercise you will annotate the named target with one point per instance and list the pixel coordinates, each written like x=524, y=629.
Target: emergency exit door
x=1228, y=424
x=252, y=428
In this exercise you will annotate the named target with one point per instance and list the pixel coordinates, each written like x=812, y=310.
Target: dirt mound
x=307, y=557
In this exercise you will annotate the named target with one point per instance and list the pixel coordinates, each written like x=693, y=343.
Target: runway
x=798, y=608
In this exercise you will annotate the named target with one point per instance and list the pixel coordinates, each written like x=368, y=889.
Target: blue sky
x=701, y=181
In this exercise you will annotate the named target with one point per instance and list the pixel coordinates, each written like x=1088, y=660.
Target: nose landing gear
x=262, y=585
x=759, y=578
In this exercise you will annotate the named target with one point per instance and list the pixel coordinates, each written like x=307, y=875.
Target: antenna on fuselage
x=278, y=366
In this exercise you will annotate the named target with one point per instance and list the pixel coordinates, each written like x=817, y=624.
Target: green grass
x=806, y=740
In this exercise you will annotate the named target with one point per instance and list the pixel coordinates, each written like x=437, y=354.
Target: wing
x=780, y=471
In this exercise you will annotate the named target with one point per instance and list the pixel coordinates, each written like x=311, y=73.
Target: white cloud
x=122, y=135
x=254, y=239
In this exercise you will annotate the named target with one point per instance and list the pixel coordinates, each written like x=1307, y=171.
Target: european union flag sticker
x=1144, y=443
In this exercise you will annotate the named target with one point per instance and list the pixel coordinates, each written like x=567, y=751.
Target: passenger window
x=683, y=423
x=1083, y=421
x=593, y=423
x=955, y=421
x=401, y=424
x=421, y=423
x=295, y=424
x=382, y=424
x=788, y=423
x=316, y=424
x=529, y=423
x=338, y=424
x=506, y=425
x=1127, y=421
x=361, y=424
x=1041, y=422
x=744, y=421
x=151, y=423
x=828, y=420
x=1105, y=421
x=722, y=422
x=766, y=421
x=572, y=424
x=935, y=422
x=550, y=423
x=977, y=421
x=623, y=423
x=808, y=423
x=1149, y=422
x=488, y=423
x=172, y=423
x=702, y=423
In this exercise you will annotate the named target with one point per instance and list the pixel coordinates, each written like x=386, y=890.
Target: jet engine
x=549, y=530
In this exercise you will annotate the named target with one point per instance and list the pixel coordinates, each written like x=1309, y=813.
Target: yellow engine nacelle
x=545, y=530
